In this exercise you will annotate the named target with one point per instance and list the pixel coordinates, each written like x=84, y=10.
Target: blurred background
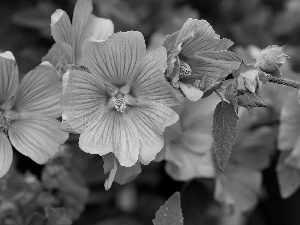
x=75, y=180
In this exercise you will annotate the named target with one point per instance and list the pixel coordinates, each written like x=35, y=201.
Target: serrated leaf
x=224, y=131
x=170, y=213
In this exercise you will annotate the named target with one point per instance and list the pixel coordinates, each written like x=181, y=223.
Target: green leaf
x=288, y=176
x=170, y=213
x=224, y=131
x=251, y=100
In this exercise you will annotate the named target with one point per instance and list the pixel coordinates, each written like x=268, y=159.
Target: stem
x=219, y=95
x=283, y=81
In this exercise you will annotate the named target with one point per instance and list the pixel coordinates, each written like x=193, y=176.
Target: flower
x=197, y=58
x=189, y=141
x=122, y=106
x=28, y=111
x=69, y=37
x=84, y=25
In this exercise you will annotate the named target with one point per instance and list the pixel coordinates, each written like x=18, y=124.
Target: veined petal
x=101, y=28
x=212, y=67
x=150, y=120
x=117, y=58
x=6, y=154
x=61, y=30
x=40, y=92
x=9, y=77
x=114, y=132
x=37, y=137
x=149, y=83
x=61, y=27
x=84, y=100
x=196, y=45
x=81, y=25
x=196, y=29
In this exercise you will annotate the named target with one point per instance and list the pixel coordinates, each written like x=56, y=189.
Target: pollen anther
x=120, y=105
x=185, y=70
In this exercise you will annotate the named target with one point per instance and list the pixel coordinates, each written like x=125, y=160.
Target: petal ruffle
x=37, y=137
x=9, y=77
x=150, y=120
x=6, y=154
x=149, y=83
x=114, y=132
x=40, y=92
x=117, y=58
x=84, y=100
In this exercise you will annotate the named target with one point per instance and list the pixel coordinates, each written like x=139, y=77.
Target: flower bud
x=270, y=59
x=248, y=81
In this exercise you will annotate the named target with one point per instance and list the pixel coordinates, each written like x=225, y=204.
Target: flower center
x=120, y=105
x=185, y=70
x=4, y=122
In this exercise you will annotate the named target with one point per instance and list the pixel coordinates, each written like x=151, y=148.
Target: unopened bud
x=248, y=81
x=270, y=59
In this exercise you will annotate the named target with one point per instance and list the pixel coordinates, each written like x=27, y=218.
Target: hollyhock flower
x=197, y=58
x=28, y=111
x=71, y=36
x=188, y=142
x=122, y=106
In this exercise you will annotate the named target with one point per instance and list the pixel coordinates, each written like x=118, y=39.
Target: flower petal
x=37, y=137
x=123, y=174
x=169, y=42
x=289, y=129
x=149, y=83
x=185, y=165
x=102, y=28
x=61, y=27
x=6, y=154
x=212, y=67
x=150, y=120
x=84, y=100
x=58, y=58
x=9, y=78
x=40, y=92
x=114, y=132
x=192, y=93
x=61, y=30
x=240, y=188
x=115, y=59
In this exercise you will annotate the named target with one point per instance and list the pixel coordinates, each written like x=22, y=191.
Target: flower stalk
x=283, y=81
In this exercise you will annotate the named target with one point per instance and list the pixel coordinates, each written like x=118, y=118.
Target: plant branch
x=283, y=81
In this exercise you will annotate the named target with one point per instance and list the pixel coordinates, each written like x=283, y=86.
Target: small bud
x=270, y=59
x=248, y=81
